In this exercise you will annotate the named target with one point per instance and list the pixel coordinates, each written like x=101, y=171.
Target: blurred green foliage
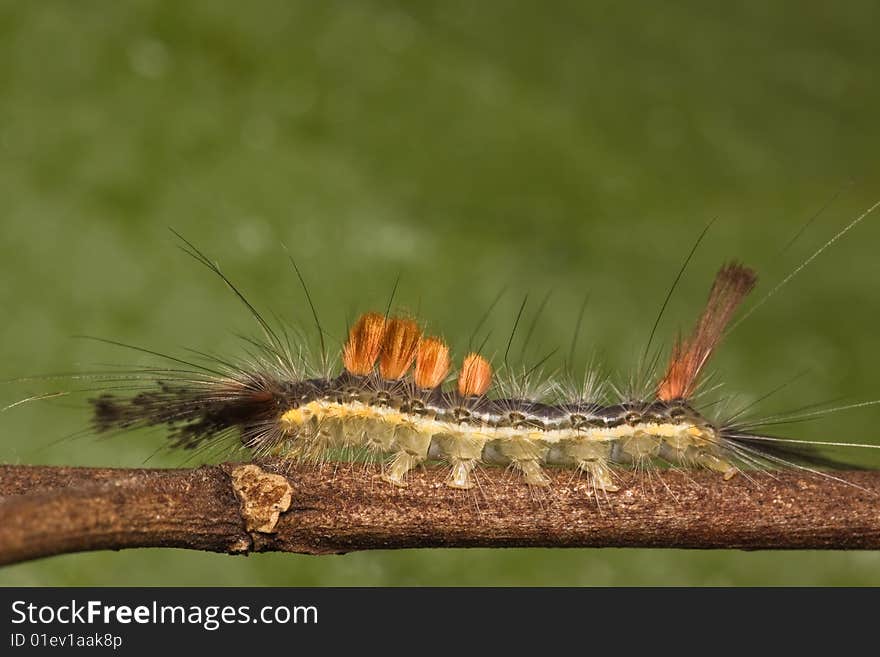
x=572, y=148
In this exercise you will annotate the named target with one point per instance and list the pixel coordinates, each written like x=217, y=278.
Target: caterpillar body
x=392, y=402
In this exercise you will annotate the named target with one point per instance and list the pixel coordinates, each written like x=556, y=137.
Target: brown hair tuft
x=732, y=284
x=364, y=343
x=475, y=376
x=432, y=362
x=398, y=347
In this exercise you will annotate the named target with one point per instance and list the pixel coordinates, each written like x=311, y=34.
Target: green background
x=577, y=148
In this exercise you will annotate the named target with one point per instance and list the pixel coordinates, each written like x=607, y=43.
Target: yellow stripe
x=321, y=409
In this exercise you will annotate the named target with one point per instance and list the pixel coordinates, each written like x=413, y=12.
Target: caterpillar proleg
x=399, y=399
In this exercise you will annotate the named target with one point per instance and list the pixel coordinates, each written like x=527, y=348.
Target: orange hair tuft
x=432, y=362
x=398, y=347
x=364, y=343
x=475, y=376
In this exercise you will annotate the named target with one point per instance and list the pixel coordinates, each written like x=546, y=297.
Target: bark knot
x=262, y=497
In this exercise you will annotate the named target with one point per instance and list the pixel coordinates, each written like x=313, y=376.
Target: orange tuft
x=398, y=347
x=732, y=284
x=364, y=343
x=475, y=376
x=432, y=362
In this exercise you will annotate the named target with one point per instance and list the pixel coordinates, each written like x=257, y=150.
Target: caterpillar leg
x=411, y=450
x=716, y=463
x=588, y=456
x=401, y=463
x=637, y=448
x=524, y=453
x=460, y=477
x=352, y=432
x=693, y=455
x=532, y=472
x=463, y=451
x=379, y=438
x=599, y=474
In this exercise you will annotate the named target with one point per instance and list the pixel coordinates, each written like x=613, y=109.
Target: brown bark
x=240, y=508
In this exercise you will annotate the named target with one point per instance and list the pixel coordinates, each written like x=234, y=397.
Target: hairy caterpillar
x=393, y=402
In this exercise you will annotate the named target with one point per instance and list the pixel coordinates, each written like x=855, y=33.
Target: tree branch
x=241, y=508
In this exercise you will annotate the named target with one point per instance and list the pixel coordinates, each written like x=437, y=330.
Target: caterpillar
x=397, y=399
